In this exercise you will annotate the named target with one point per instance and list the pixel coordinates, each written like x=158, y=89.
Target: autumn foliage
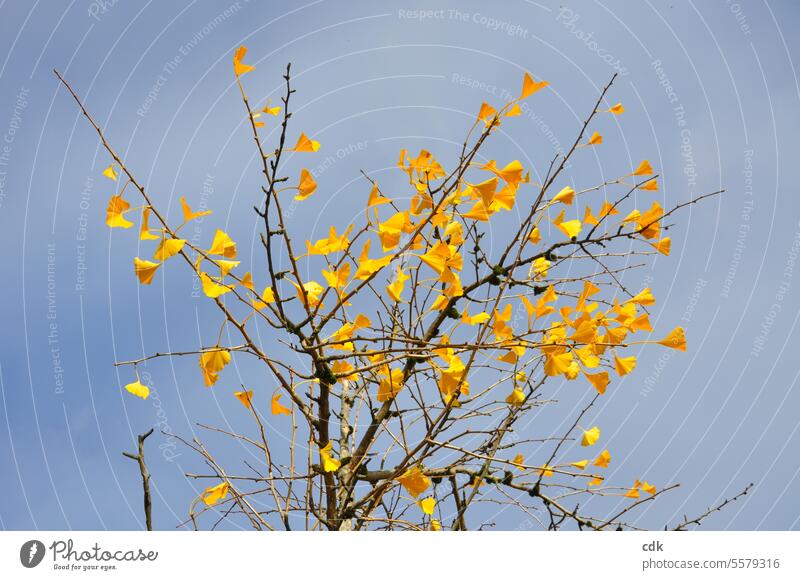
x=424, y=349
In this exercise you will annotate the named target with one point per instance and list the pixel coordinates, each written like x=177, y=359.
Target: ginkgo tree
x=424, y=351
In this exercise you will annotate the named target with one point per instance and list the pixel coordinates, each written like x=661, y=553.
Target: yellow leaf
x=664, y=245
x=595, y=139
x=675, y=339
x=307, y=185
x=644, y=168
x=648, y=488
x=590, y=437
x=564, y=196
x=212, y=362
x=390, y=385
x=223, y=246
x=529, y=86
x=188, y=214
x=138, y=389
x=213, y=494
x=414, y=481
x=239, y=68
x=599, y=381
x=247, y=281
x=516, y=398
x=144, y=270
x=375, y=197
x=617, y=109
x=211, y=287
x=329, y=463
x=305, y=145
x=333, y=243
x=428, y=505
x=651, y=185
x=245, y=398
x=144, y=232
x=486, y=113
x=115, y=214
x=167, y=248
x=271, y=110
x=603, y=460
x=519, y=461
x=645, y=298
x=624, y=365
x=310, y=293
x=580, y=464
x=277, y=407
x=110, y=172
x=395, y=289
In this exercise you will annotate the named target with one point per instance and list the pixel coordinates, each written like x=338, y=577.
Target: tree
x=424, y=347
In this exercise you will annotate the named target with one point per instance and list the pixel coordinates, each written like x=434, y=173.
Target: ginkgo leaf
x=519, y=461
x=545, y=470
x=375, y=197
x=617, y=109
x=590, y=437
x=599, y=381
x=644, y=168
x=212, y=362
x=110, y=172
x=144, y=231
x=395, y=289
x=115, y=214
x=247, y=281
x=645, y=298
x=223, y=245
x=564, y=196
x=651, y=185
x=624, y=365
x=516, y=398
x=675, y=339
x=245, y=398
x=595, y=139
x=239, y=68
x=225, y=266
x=138, y=389
x=271, y=110
x=188, y=214
x=214, y=494
x=307, y=185
x=145, y=270
x=305, y=145
x=479, y=318
x=167, y=248
x=277, y=407
x=329, y=463
x=428, y=505
x=414, y=481
x=580, y=464
x=648, y=488
x=632, y=493
x=211, y=287
x=529, y=86
x=486, y=113
x=664, y=246
x=603, y=460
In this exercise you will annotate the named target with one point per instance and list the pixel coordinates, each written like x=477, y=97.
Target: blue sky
x=711, y=94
